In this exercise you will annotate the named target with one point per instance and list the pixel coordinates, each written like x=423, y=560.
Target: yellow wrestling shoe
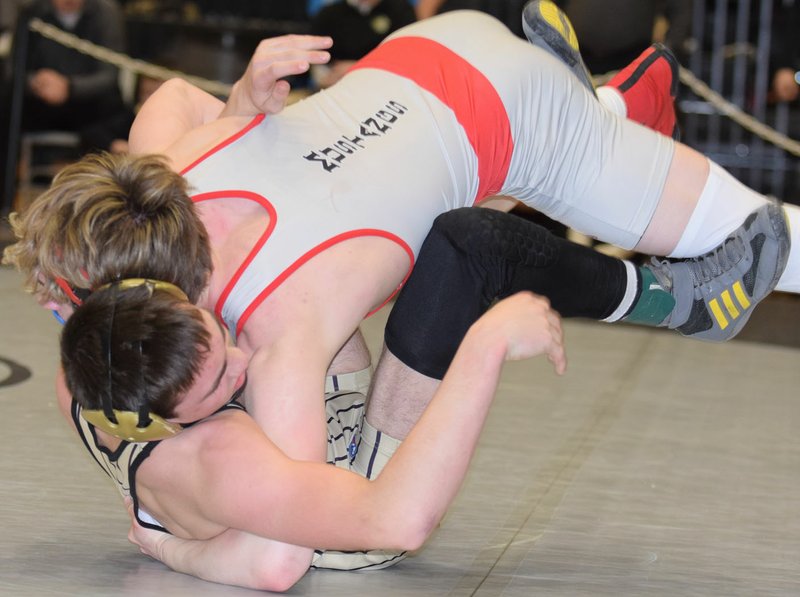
x=547, y=27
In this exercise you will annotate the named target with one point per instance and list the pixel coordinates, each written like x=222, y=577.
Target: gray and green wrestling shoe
x=715, y=294
x=547, y=27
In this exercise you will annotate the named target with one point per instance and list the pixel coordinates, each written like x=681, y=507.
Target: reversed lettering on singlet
x=377, y=125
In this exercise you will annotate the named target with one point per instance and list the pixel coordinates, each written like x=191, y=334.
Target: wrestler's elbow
x=420, y=532
x=279, y=572
x=409, y=529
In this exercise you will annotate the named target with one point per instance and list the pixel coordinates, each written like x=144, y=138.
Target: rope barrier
x=726, y=108
x=140, y=67
x=123, y=61
x=738, y=115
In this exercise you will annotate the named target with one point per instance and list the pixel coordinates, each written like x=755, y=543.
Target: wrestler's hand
x=233, y=557
x=530, y=327
x=262, y=88
x=149, y=542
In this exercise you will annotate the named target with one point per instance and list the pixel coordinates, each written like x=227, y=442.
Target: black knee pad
x=474, y=256
x=491, y=234
x=424, y=330
x=515, y=254
x=465, y=263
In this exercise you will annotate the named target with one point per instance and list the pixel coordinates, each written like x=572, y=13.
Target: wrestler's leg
x=472, y=257
x=644, y=92
x=396, y=414
x=618, y=182
x=700, y=205
x=597, y=173
x=352, y=446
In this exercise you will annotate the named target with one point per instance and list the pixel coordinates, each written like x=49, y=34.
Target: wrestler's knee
x=492, y=234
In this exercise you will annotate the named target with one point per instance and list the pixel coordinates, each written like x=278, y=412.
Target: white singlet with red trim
x=443, y=114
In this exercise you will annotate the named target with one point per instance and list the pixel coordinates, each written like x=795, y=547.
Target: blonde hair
x=109, y=217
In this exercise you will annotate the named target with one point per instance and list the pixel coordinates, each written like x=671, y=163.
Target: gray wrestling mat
x=656, y=466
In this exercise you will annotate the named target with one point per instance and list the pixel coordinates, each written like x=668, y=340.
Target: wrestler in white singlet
x=435, y=118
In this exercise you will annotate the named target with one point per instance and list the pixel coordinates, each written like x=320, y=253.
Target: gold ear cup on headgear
x=127, y=425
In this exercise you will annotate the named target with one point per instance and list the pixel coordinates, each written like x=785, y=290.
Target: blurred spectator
x=8, y=13
x=67, y=90
x=8, y=17
x=785, y=52
x=356, y=26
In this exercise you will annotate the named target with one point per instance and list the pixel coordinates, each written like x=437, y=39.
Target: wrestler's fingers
x=293, y=40
x=291, y=56
x=277, y=99
x=264, y=74
x=557, y=355
x=556, y=352
x=271, y=57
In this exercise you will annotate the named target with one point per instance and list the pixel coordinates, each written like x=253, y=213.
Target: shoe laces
x=706, y=267
x=722, y=259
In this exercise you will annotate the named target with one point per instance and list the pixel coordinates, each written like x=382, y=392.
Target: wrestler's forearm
x=431, y=464
x=234, y=557
x=321, y=505
x=311, y=503
x=442, y=443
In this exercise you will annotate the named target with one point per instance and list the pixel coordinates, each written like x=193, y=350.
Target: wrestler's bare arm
x=237, y=558
x=298, y=416
x=178, y=107
x=173, y=110
x=246, y=483
x=254, y=561
x=297, y=332
x=286, y=373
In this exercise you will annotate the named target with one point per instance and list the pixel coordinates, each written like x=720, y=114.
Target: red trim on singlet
x=273, y=220
x=316, y=251
x=462, y=87
x=256, y=120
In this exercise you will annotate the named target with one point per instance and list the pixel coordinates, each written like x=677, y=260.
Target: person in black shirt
x=356, y=26
x=68, y=90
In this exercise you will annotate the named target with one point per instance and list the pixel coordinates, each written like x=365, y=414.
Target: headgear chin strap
x=152, y=284
x=125, y=424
